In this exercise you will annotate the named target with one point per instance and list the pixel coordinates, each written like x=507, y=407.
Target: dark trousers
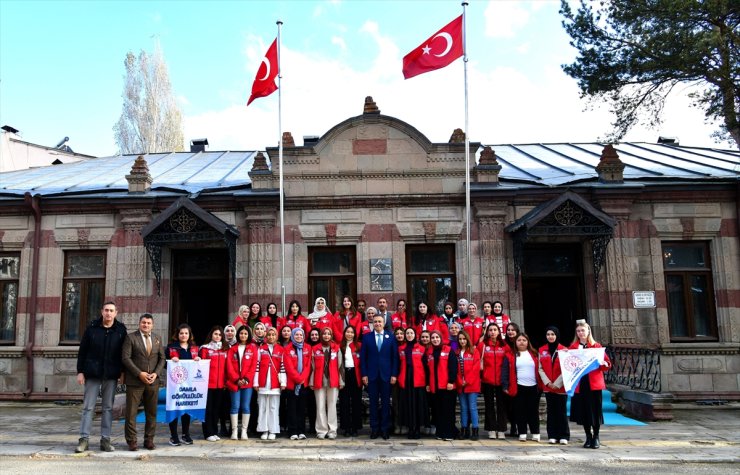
x=295, y=410
x=379, y=392
x=557, y=416
x=443, y=406
x=350, y=402
x=413, y=404
x=213, y=412
x=311, y=410
x=493, y=397
x=510, y=413
x=254, y=408
x=134, y=396
x=185, y=419
x=527, y=409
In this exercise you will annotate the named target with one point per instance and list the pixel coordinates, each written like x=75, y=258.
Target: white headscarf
x=314, y=316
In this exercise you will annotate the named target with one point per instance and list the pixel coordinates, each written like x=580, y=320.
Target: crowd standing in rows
x=416, y=366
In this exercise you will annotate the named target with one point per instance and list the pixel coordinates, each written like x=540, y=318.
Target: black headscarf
x=493, y=305
x=553, y=347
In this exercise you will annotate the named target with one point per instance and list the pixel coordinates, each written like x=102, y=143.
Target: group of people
x=415, y=366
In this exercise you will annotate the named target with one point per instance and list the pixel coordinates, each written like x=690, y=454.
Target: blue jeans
x=107, y=388
x=469, y=409
x=241, y=398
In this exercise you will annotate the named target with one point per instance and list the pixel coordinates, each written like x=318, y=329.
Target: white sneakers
x=213, y=438
x=522, y=437
x=301, y=436
x=271, y=436
x=535, y=437
x=293, y=437
x=552, y=441
x=563, y=441
x=491, y=434
x=501, y=435
x=264, y=435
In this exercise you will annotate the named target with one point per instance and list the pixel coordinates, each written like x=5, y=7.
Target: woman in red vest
x=326, y=381
x=269, y=381
x=493, y=355
x=585, y=407
x=241, y=363
x=552, y=383
x=348, y=316
x=412, y=381
x=468, y=385
x=400, y=319
x=350, y=397
x=521, y=380
x=441, y=375
x=294, y=319
x=511, y=332
x=297, y=360
x=424, y=320
x=214, y=349
x=271, y=318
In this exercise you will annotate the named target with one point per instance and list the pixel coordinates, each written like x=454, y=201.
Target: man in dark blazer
x=379, y=365
x=143, y=360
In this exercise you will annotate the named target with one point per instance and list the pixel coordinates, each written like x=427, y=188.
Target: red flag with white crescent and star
x=264, y=82
x=438, y=51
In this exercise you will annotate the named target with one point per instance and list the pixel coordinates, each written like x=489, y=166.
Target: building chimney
x=198, y=145
x=458, y=136
x=139, y=180
x=370, y=106
x=488, y=168
x=610, y=167
x=288, y=140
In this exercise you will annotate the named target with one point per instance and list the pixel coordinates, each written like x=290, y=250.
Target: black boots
x=464, y=433
x=474, y=434
x=589, y=438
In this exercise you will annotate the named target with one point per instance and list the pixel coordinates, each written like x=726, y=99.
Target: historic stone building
x=640, y=239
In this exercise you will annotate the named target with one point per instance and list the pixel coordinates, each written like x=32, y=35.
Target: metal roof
x=179, y=172
x=523, y=166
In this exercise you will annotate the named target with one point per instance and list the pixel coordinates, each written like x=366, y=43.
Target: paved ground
x=704, y=435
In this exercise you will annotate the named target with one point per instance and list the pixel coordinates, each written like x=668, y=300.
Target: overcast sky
x=61, y=71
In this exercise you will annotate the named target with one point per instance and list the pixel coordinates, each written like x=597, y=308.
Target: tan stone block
x=700, y=382
x=678, y=383
x=379, y=187
x=402, y=187
x=725, y=382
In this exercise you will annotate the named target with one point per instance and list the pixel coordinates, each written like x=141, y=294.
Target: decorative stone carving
x=139, y=180
x=331, y=234
x=288, y=140
x=610, y=167
x=370, y=106
x=458, y=136
x=430, y=230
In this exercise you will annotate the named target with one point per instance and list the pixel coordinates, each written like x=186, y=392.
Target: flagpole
x=280, y=165
x=467, y=163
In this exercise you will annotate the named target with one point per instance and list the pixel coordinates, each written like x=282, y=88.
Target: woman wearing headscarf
x=502, y=320
x=320, y=317
x=412, y=381
x=585, y=407
x=271, y=318
x=269, y=380
x=258, y=337
x=229, y=341
x=298, y=369
x=552, y=383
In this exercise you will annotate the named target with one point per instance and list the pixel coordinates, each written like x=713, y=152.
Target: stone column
x=132, y=288
x=491, y=219
x=260, y=260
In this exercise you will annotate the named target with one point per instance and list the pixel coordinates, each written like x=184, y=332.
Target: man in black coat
x=100, y=369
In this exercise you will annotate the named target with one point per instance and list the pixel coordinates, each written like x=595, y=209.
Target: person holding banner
x=585, y=408
x=183, y=347
x=241, y=362
x=268, y=382
x=521, y=381
x=552, y=382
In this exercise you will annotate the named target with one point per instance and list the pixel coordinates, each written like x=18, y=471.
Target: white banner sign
x=574, y=364
x=187, y=388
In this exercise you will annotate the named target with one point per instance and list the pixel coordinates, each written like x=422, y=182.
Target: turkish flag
x=264, y=83
x=438, y=51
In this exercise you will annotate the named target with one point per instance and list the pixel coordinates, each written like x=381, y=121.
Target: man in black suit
x=143, y=359
x=379, y=364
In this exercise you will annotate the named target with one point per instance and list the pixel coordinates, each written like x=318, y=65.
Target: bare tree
x=150, y=120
